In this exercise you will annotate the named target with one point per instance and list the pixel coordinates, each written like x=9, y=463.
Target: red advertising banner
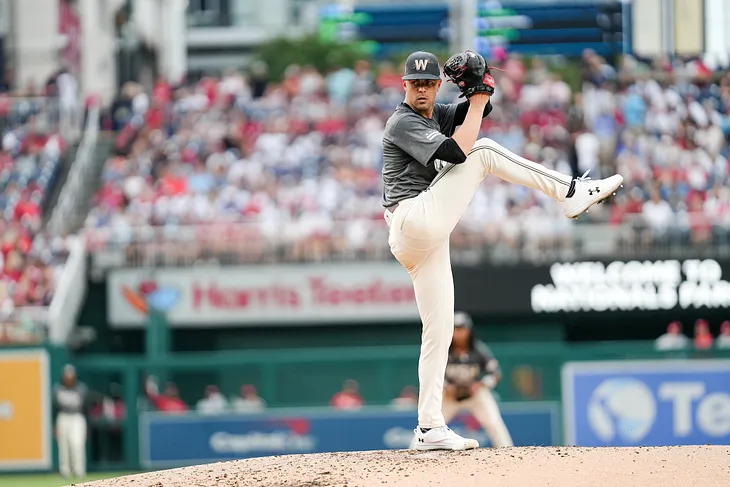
x=255, y=295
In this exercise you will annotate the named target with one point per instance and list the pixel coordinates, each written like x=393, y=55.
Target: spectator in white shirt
x=657, y=214
x=249, y=401
x=723, y=339
x=213, y=402
x=673, y=339
x=588, y=149
x=68, y=94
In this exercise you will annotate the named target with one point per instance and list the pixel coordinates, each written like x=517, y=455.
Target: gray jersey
x=70, y=399
x=409, y=142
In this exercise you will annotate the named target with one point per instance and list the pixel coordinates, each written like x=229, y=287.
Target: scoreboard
x=645, y=28
x=529, y=27
x=541, y=29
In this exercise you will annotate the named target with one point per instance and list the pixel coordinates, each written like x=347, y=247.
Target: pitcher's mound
x=685, y=466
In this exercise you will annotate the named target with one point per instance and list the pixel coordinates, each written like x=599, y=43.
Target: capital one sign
x=282, y=294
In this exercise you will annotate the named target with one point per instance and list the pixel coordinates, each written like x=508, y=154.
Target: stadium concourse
x=292, y=168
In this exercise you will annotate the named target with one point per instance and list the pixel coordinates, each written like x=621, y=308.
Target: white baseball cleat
x=584, y=193
x=441, y=438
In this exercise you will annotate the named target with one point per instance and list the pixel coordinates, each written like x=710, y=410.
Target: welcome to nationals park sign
x=594, y=286
x=266, y=294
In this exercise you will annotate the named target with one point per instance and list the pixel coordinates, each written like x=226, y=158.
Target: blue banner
x=177, y=440
x=647, y=403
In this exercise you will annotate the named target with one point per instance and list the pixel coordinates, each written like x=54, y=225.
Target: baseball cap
x=422, y=65
x=462, y=320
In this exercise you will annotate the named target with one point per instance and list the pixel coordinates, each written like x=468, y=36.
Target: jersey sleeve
x=446, y=116
x=462, y=109
x=488, y=364
x=417, y=138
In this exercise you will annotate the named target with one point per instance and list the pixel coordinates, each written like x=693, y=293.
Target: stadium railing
x=79, y=177
x=70, y=291
x=69, y=295
x=251, y=243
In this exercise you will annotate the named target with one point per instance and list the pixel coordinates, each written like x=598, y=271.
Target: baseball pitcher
x=433, y=163
x=472, y=372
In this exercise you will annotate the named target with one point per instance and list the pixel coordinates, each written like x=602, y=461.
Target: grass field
x=52, y=480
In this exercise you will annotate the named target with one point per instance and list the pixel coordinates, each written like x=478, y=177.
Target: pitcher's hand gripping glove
x=470, y=72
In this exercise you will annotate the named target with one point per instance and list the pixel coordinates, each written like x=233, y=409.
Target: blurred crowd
x=296, y=162
x=662, y=125
x=214, y=401
x=293, y=168
x=238, y=168
x=675, y=339
x=31, y=153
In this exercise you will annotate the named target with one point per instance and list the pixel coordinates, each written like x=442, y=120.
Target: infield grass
x=53, y=480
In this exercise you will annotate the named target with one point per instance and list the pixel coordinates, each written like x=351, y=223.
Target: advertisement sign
x=647, y=403
x=300, y=294
x=282, y=294
x=178, y=440
x=24, y=410
x=594, y=286
x=634, y=285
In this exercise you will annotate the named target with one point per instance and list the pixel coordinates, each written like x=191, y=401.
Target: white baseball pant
x=419, y=233
x=71, y=437
x=485, y=410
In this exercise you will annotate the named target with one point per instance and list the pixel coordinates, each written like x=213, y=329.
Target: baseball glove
x=470, y=72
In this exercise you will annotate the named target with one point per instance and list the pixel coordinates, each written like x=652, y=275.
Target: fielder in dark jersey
x=470, y=366
x=70, y=402
x=472, y=372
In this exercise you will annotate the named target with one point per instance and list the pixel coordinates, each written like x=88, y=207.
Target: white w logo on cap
x=421, y=64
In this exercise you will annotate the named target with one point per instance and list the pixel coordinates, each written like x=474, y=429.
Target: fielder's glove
x=470, y=72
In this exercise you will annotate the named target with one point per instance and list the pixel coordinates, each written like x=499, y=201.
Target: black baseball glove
x=470, y=72
x=463, y=393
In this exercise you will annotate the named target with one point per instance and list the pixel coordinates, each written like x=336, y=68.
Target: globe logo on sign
x=623, y=409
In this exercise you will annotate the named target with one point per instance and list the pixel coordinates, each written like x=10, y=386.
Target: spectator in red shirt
x=169, y=401
x=26, y=207
x=699, y=222
x=162, y=92
x=389, y=78
x=349, y=397
x=13, y=266
x=703, y=338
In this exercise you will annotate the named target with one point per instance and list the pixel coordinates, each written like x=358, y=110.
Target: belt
x=391, y=209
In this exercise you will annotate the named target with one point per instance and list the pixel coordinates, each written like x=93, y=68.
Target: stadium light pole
x=462, y=22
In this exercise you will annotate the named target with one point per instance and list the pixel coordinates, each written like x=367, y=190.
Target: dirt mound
x=685, y=466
